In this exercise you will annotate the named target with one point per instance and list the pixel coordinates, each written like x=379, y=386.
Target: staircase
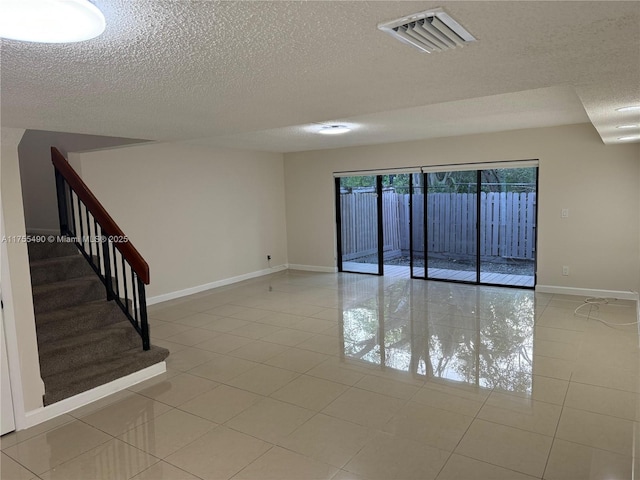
x=84, y=341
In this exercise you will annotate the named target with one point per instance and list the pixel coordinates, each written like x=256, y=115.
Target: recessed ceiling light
x=334, y=129
x=628, y=138
x=630, y=108
x=50, y=21
x=633, y=125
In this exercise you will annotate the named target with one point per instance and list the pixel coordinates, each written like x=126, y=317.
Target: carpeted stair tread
x=89, y=347
x=76, y=319
x=84, y=341
x=56, y=269
x=51, y=296
x=39, y=251
x=71, y=382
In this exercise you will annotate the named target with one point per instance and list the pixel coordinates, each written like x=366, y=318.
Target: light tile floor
x=349, y=377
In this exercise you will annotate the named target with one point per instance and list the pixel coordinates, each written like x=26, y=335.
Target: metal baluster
x=62, y=203
x=95, y=238
x=144, y=326
x=86, y=214
x=107, y=266
x=124, y=282
x=115, y=270
x=134, y=295
x=81, y=242
x=69, y=205
x=73, y=213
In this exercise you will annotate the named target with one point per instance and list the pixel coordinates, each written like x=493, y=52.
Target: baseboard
x=587, y=292
x=208, y=286
x=34, y=417
x=312, y=268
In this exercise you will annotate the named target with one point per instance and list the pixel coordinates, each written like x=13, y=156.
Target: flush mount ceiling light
x=334, y=129
x=630, y=108
x=50, y=21
x=429, y=31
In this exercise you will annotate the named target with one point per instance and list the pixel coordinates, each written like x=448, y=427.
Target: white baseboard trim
x=587, y=292
x=219, y=283
x=312, y=268
x=39, y=415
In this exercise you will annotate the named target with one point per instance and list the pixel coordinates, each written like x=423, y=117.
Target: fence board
x=507, y=224
x=495, y=224
x=531, y=210
x=483, y=215
x=507, y=219
x=517, y=238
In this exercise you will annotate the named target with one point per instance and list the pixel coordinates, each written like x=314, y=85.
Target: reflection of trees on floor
x=480, y=336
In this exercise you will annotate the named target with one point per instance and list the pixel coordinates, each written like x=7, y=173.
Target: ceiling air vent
x=430, y=31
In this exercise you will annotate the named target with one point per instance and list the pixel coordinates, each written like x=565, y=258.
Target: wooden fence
x=507, y=224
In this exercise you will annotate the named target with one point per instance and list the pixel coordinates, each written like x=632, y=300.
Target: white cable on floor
x=596, y=302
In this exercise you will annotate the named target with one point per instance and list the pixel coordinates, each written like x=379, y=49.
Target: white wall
x=15, y=280
x=36, y=172
x=198, y=215
x=599, y=185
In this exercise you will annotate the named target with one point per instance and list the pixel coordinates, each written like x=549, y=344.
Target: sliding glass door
x=395, y=224
x=507, y=226
x=359, y=224
x=417, y=202
x=466, y=225
x=475, y=226
x=373, y=224
x=451, y=225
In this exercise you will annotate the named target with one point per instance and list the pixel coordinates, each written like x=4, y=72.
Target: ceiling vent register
x=430, y=31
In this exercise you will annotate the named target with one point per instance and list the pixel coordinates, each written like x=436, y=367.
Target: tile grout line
x=475, y=417
x=553, y=441
x=23, y=466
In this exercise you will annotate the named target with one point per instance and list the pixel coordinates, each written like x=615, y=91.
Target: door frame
x=379, y=226
x=478, y=168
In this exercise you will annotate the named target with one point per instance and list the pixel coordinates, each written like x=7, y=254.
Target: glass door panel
x=358, y=203
x=508, y=226
x=417, y=202
x=395, y=224
x=451, y=226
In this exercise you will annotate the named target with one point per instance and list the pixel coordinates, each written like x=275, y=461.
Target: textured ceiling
x=256, y=74
x=529, y=109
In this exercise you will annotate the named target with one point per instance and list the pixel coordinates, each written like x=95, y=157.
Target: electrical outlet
x=565, y=270
x=268, y=257
x=565, y=213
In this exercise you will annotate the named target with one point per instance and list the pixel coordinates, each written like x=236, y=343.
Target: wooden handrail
x=108, y=225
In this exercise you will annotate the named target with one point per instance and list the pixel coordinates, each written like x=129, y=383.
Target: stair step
x=39, y=251
x=88, y=348
x=84, y=341
x=57, y=269
x=71, y=382
x=52, y=296
x=65, y=322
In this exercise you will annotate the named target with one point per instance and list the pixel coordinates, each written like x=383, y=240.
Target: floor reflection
x=387, y=378
x=476, y=335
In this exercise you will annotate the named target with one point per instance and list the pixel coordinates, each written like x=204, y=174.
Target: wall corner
x=15, y=281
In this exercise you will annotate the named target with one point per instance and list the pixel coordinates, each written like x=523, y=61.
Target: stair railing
x=85, y=222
